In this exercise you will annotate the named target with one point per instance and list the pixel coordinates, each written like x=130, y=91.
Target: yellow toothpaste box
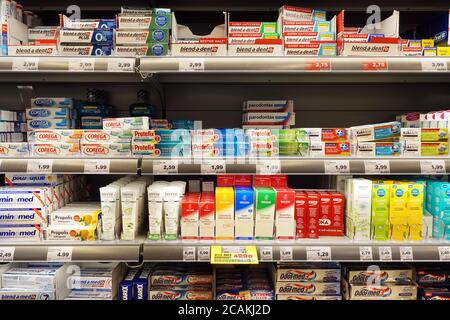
x=380, y=226
x=414, y=208
x=398, y=214
x=224, y=213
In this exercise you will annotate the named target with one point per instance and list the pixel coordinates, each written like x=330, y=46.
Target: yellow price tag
x=234, y=255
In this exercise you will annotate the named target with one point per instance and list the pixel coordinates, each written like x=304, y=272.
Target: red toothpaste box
x=337, y=223
x=313, y=205
x=243, y=181
x=190, y=216
x=301, y=213
x=334, y=134
x=225, y=181
x=206, y=223
x=279, y=181
x=262, y=181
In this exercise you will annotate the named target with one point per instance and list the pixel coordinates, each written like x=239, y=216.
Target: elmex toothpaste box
x=72, y=36
x=30, y=232
x=306, y=26
x=26, y=294
x=61, y=123
x=126, y=286
x=54, y=136
x=51, y=102
x=47, y=112
x=85, y=50
x=14, y=149
x=109, y=150
x=252, y=27
x=27, y=216
x=33, y=50
x=309, y=288
x=142, y=36
x=306, y=273
x=102, y=136
x=313, y=49
x=134, y=123
x=145, y=50
x=61, y=150
x=291, y=13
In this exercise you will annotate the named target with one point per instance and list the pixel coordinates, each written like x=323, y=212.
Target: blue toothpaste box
x=72, y=36
x=60, y=123
x=28, y=216
x=140, y=284
x=244, y=213
x=51, y=102
x=126, y=286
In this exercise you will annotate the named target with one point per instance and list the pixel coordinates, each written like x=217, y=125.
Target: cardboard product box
x=127, y=37
x=239, y=38
x=301, y=214
x=85, y=50
x=380, y=225
x=309, y=288
x=43, y=33
x=59, y=150
x=306, y=26
x=244, y=213
x=14, y=150
x=29, y=232
x=307, y=37
x=81, y=24
x=157, y=19
x=331, y=214
x=190, y=210
x=313, y=207
x=312, y=49
x=378, y=149
x=434, y=135
x=106, y=150
x=375, y=132
x=269, y=118
x=380, y=292
x=397, y=212
x=128, y=123
x=386, y=274
x=55, y=123
x=308, y=273
x=265, y=199
x=224, y=213
x=257, y=47
x=358, y=193
x=435, y=293
x=86, y=36
x=431, y=149
x=306, y=297
x=26, y=294
x=291, y=13
x=206, y=216
x=269, y=105
x=285, y=226
x=146, y=50
x=48, y=112
x=242, y=181
x=41, y=50
x=168, y=294
x=333, y=149
x=106, y=136
x=252, y=27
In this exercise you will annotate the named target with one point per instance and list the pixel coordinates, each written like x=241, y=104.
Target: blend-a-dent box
x=157, y=20
x=312, y=49
x=291, y=13
x=14, y=149
x=143, y=50
x=61, y=150
x=86, y=36
x=33, y=50
x=95, y=49
x=300, y=37
x=26, y=294
x=252, y=27
x=145, y=36
x=309, y=273
x=55, y=123
x=306, y=26
x=82, y=24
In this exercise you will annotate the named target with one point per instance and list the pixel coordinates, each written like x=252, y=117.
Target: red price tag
x=319, y=65
x=377, y=65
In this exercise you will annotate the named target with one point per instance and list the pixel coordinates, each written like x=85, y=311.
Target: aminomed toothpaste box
x=44, y=180
x=33, y=50
x=51, y=102
x=27, y=216
x=31, y=232
x=309, y=288
x=52, y=136
x=62, y=150
x=106, y=149
x=55, y=123
x=14, y=149
x=153, y=49
x=73, y=36
x=85, y=50
x=142, y=36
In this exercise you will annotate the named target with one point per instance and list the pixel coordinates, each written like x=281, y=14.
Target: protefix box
x=307, y=37
x=148, y=149
x=142, y=36
x=380, y=292
x=306, y=26
x=206, y=216
x=252, y=27
x=60, y=149
x=190, y=208
x=312, y=49
x=55, y=123
x=224, y=213
x=33, y=50
x=132, y=123
x=291, y=13
x=285, y=227
x=308, y=272
x=244, y=213
x=309, y=288
x=265, y=199
x=97, y=49
x=14, y=149
x=51, y=102
x=106, y=150
x=29, y=232
x=47, y=112
x=73, y=36
x=103, y=136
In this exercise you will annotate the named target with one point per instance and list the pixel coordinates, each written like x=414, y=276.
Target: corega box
x=62, y=150
x=51, y=136
x=14, y=149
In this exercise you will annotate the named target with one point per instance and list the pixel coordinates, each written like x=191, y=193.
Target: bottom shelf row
x=190, y=281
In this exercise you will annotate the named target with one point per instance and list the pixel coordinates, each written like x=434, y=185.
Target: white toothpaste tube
x=14, y=149
x=110, y=204
x=132, y=123
x=48, y=113
x=27, y=216
x=60, y=123
x=33, y=50
x=109, y=150
x=21, y=232
x=129, y=196
x=51, y=102
x=59, y=150
x=155, y=196
x=102, y=136
x=51, y=136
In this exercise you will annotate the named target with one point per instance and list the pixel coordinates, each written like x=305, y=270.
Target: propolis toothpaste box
x=62, y=150
x=51, y=136
x=21, y=232
x=14, y=149
x=244, y=213
x=73, y=233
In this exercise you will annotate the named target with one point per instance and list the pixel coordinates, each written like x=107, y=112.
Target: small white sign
x=432, y=167
x=286, y=254
x=444, y=253
x=165, y=167
x=318, y=254
x=385, y=253
x=434, y=64
x=188, y=253
x=25, y=64
x=191, y=65
x=97, y=166
x=406, y=254
x=121, y=65
x=365, y=254
x=337, y=167
x=266, y=254
x=77, y=65
x=40, y=166
x=377, y=167
x=268, y=167
x=213, y=166
x=7, y=254
x=59, y=254
x=204, y=253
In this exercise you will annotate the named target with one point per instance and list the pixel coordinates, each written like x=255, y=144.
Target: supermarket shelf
x=304, y=166
x=80, y=252
x=71, y=166
x=341, y=249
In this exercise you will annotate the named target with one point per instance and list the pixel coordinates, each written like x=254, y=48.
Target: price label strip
x=286, y=254
x=204, y=253
x=365, y=254
x=121, y=65
x=102, y=166
x=434, y=65
x=266, y=254
x=377, y=167
x=268, y=167
x=234, y=255
x=444, y=253
x=406, y=254
x=40, y=166
x=375, y=65
x=59, y=254
x=25, y=64
x=385, y=253
x=319, y=65
x=188, y=253
x=191, y=65
x=318, y=254
x=165, y=167
x=83, y=65
x=432, y=167
x=7, y=254
x=337, y=167
x=213, y=166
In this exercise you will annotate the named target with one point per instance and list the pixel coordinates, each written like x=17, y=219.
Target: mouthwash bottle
x=142, y=108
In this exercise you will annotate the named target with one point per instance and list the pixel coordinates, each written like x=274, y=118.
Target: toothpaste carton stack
x=326, y=142
x=306, y=32
x=34, y=281
x=379, y=283
x=425, y=47
x=308, y=281
x=42, y=41
x=13, y=134
x=271, y=114
x=165, y=143
x=135, y=285
x=438, y=205
x=50, y=113
x=181, y=282
x=433, y=282
x=143, y=32
x=106, y=143
x=86, y=37
x=95, y=281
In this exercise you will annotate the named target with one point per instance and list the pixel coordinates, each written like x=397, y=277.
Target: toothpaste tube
x=27, y=216
x=85, y=50
x=135, y=123
x=110, y=136
x=158, y=20
x=309, y=288
x=33, y=50
x=60, y=150
x=26, y=294
x=66, y=22
x=145, y=50
x=252, y=27
x=307, y=37
x=109, y=150
x=74, y=233
x=89, y=295
x=14, y=150
x=61, y=123
x=313, y=49
x=51, y=102
x=55, y=136
x=21, y=232
x=72, y=36
x=306, y=26
x=142, y=36
x=47, y=112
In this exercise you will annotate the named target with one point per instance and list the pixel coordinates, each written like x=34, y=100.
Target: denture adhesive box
x=54, y=123
x=14, y=149
x=62, y=150
x=51, y=136
x=42, y=102
x=48, y=113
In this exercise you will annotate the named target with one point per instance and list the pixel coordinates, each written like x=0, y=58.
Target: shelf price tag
x=203, y=253
x=385, y=253
x=266, y=254
x=121, y=65
x=406, y=254
x=59, y=254
x=319, y=65
x=234, y=255
x=434, y=64
x=97, y=166
x=213, y=166
x=268, y=167
x=365, y=254
x=165, y=167
x=318, y=254
x=337, y=167
x=40, y=166
x=7, y=254
x=82, y=65
x=444, y=253
x=25, y=64
x=188, y=253
x=432, y=166
x=286, y=254
x=377, y=167
x=191, y=65
x=375, y=65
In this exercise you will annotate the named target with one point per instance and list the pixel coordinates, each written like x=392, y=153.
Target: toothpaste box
x=162, y=136
x=358, y=208
x=387, y=274
x=382, y=131
x=88, y=295
x=28, y=232
x=309, y=288
x=301, y=214
x=269, y=118
x=291, y=13
x=378, y=149
x=152, y=49
x=42, y=180
x=134, y=123
x=109, y=150
x=102, y=136
x=312, y=49
x=300, y=37
x=285, y=226
x=86, y=36
x=24, y=216
x=70, y=233
x=436, y=276
x=305, y=297
x=410, y=133
x=141, y=284
x=190, y=216
x=252, y=27
x=51, y=102
x=26, y=197
x=244, y=214
x=54, y=136
x=14, y=149
x=331, y=218
x=126, y=291
x=433, y=134
x=66, y=22
x=126, y=37
x=265, y=200
x=269, y=105
x=206, y=216
x=40, y=50
x=380, y=292
x=306, y=26
x=380, y=224
x=224, y=213
x=254, y=39
x=156, y=20
x=59, y=123
x=61, y=150
x=431, y=149
x=47, y=113
x=26, y=294
x=96, y=49
x=167, y=294
x=309, y=273
x=435, y=293
x=321, y=149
